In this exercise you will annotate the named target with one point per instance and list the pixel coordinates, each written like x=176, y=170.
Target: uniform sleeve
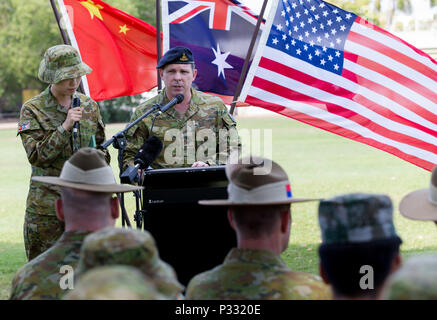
x=228, y=140
x=100, y=134
x=135, y=138
x=42, y=147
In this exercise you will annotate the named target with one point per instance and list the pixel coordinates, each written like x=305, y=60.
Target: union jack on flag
x=331, y=69
x=218, y=32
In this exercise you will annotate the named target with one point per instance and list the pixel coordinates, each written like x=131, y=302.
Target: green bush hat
x=415, y=280
x=256, y=181
x=118, y=246
x=356, y=218
x=61, y=62
x=114, y=283
x=178, y=55
x=421, y=204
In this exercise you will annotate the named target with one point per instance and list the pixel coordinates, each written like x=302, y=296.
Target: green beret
x=179, y=55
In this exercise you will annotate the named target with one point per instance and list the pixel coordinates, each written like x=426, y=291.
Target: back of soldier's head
x=119, y=246
x=415, y=280
x=115, y=282
x=359, y=243
x=257, y=222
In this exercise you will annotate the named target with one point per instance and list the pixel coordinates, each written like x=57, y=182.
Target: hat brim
x=416, y=206
x=218, y=202
x=73, y=72
x=106, y=188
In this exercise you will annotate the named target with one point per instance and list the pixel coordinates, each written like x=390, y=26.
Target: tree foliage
x=27, y=29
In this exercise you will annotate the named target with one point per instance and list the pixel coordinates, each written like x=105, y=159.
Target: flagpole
x=64, y=36
x=246, y=61
x=158, y=40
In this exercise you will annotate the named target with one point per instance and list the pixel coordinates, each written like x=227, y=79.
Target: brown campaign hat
x=87, y=170
x=256, y=181
x=421, y=204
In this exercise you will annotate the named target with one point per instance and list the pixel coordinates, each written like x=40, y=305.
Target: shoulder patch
x=23, y=126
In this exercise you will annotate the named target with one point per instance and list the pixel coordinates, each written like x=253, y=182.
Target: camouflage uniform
x=205, y=112
x=251, y=274
x=48, y=145
x=115, y=246
x=40, y=278
x=415, y=280
x=114, y=283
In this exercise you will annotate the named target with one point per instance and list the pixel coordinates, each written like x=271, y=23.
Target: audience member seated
x=87, y=184
x=260, y=213
x=360, y=247
x=130, y=247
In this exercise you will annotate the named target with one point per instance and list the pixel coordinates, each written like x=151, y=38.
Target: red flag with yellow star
x=120, y=48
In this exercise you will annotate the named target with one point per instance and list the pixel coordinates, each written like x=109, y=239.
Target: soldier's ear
x=231, y=218
x=59, y=210
x=115, y=208
x=323, y=274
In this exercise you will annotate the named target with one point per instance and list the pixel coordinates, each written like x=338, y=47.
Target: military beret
x=179, y=55
x=356, y=217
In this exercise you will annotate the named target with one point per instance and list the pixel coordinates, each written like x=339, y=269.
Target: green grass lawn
x=319, y=164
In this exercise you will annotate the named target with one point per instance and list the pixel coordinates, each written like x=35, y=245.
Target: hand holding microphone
x=74, y=115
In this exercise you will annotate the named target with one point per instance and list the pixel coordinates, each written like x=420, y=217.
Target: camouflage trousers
x=40, y=233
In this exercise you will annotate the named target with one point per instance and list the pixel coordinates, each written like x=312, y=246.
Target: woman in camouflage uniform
x=45, y=128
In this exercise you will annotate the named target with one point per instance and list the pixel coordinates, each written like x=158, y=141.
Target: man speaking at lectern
x=195, y=132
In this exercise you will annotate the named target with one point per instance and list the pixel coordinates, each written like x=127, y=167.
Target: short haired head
x=176, y=55
x=61, y=62
x=115, y=246
x=421, y=204
x=415, y=280
x=87, y=170
x=357, y=231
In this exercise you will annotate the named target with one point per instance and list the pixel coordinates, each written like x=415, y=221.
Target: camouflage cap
x=415, y=280
x=356, y=217
x=61, y=62
x=117, y=246
x=179, y=55
x=114, y=283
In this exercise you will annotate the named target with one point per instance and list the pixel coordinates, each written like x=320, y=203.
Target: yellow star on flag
x=123, y=29
x=94, y=9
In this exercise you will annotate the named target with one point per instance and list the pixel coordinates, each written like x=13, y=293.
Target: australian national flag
x=218, y=32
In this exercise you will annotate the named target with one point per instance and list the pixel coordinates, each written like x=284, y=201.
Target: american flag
x=331, y=69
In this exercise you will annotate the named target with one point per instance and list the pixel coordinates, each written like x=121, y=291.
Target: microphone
x=177, y=99
x=76, y=103
x=149, y=151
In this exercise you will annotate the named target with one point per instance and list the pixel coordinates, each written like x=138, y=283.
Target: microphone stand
x=118, y=141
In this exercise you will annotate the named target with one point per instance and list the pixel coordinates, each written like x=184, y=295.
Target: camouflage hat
x=61, y=62
x=415, y=280
x=114, y=283
x=117, y=246
x=356, y=217
x=179, y=55
x=256, y=181
x=421, y=204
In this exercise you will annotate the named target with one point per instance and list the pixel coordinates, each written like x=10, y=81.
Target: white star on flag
x=220, y=61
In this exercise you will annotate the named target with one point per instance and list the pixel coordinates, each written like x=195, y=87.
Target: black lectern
x=190, y=237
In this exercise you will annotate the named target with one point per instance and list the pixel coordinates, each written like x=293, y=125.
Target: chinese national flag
x=120, y=48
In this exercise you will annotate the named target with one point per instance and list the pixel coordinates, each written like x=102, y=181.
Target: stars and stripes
x=332, y=69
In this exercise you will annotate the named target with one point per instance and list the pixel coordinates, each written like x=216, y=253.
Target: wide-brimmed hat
x=421, y=204
x=256, y=181
x=87, y=170
x=61, y=62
